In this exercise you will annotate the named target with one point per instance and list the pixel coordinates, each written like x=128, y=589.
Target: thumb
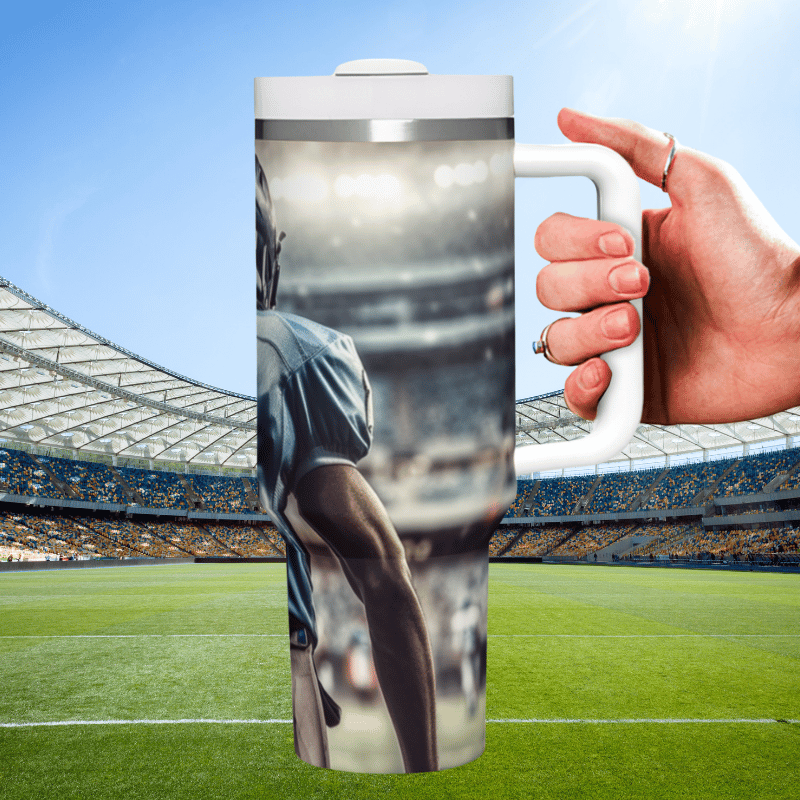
x=645, y=149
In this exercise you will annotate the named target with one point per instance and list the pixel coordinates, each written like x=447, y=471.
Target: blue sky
x=126, y=198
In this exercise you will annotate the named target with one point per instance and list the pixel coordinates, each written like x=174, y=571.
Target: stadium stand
x=681, y=486
x=559, y=496
x=628, y=512
x=159, y=489
x=502, y=538
x=19, y=474
x=88, y=480
x=537, y=541
x=727, y=509
x=751, y=475
x=249, y=542
x=63, y=536
x=620, y=491
x=220, y=494
x=526, y=490
x=590, y=538
x=730, y=542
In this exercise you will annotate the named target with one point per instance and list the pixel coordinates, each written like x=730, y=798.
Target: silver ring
x=670, y=159
x=540, y=346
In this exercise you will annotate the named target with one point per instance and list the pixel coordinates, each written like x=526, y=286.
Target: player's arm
x=343, y=508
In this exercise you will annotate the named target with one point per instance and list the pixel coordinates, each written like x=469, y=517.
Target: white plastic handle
x=620, y=410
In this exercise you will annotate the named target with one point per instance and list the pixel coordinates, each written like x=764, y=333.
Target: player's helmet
x=268, y=245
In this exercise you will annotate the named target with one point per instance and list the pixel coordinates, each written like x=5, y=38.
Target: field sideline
x=173, y=682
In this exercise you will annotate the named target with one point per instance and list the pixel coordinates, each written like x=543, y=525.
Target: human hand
x=721, y=321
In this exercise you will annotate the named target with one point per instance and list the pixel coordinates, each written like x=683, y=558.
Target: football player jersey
x=314, y=409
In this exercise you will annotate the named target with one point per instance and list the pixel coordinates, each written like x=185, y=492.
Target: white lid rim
x=384, y=97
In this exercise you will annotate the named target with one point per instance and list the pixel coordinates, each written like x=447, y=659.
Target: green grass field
x=599, y=680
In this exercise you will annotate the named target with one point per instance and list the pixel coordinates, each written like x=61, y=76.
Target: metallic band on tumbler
x=385, y=130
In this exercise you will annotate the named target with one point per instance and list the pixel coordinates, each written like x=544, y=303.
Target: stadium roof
x=63, y=387
x=546, y=418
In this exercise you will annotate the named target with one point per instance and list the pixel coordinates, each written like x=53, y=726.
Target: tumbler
x=386, y=413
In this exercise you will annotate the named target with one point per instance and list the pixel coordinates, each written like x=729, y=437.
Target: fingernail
x=614, y=244
x=616, y=325
x=626, y=279
x=589, y=376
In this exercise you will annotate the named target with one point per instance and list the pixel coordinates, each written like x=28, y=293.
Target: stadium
x=107, y=455
x=676, y=653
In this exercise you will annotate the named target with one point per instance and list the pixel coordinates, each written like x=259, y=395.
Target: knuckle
x=709, y=174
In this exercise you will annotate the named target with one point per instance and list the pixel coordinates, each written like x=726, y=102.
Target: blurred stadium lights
x=462, y=174
x=302, y=187
x=382, y=187
x=311, y=188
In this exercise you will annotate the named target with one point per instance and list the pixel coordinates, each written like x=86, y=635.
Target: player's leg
x=342, y=507
x=310, y=733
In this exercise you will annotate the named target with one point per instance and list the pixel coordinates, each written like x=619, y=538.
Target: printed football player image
x=314, y=426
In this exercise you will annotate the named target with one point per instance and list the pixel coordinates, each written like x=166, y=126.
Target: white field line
x=491, y=635
x=85, y=722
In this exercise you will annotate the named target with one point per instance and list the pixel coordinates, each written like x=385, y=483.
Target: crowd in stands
x=590, y=538
x=86, y=479
x=663, y=537
x=737, y=543
x=559, y=496
x=680, y=485
x=524, y=488
x=668, y=539
x=43, y=533
x=793, y=482
x=677, y=487
x=501, y=539
x=220, y=494
x=538, y=541
x=751, y=475
x=660, y=488
x=249, y=541
x=157, y=489
x=63, y=535
x=95, y=535
x=618, y=491
x=19, y=474
x=67, y=479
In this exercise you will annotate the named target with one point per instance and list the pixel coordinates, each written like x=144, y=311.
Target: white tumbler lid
x=384, y=88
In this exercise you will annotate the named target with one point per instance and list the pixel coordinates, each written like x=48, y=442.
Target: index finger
x=645, y=149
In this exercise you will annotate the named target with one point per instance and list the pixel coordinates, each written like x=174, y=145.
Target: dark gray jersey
x=314, y=409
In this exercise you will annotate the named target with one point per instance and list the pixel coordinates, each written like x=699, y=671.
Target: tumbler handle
x=620, y=409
